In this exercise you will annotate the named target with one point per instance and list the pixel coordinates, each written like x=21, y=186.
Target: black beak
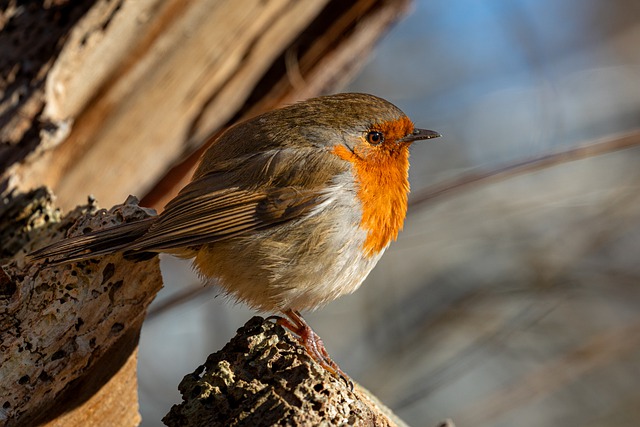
x=419, y=134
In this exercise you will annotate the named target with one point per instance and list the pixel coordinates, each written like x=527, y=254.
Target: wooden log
x=264, y=377
x=69, y=333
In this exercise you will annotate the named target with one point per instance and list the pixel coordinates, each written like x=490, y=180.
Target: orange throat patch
x=382, y=176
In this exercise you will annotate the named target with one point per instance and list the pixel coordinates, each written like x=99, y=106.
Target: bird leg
x=311, y=342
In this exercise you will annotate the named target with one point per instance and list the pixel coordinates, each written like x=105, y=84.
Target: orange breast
x=382, y=175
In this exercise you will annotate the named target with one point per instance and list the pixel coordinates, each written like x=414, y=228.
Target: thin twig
x=467, y=181
x=181, y=297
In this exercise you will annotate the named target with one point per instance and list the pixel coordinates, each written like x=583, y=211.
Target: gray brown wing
x=200, y=215
x=219, y=204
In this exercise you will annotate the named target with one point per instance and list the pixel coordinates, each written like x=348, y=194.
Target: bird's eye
x=375, y=138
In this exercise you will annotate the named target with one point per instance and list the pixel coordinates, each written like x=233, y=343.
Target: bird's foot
x=311, y=342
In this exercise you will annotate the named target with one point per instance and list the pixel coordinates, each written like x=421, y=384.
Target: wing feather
x=201, y=214
x=226, y=198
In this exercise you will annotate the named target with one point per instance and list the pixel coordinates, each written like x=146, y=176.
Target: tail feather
x=101, y=242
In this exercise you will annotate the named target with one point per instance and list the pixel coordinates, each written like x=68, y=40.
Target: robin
x=288, y=210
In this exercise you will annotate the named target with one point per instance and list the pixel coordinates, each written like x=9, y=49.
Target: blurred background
x=515, y=302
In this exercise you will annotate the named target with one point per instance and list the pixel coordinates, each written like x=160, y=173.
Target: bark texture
x=264, y=377
x=69, y=332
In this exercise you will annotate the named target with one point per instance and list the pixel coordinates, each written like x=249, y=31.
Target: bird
x=287, y=210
